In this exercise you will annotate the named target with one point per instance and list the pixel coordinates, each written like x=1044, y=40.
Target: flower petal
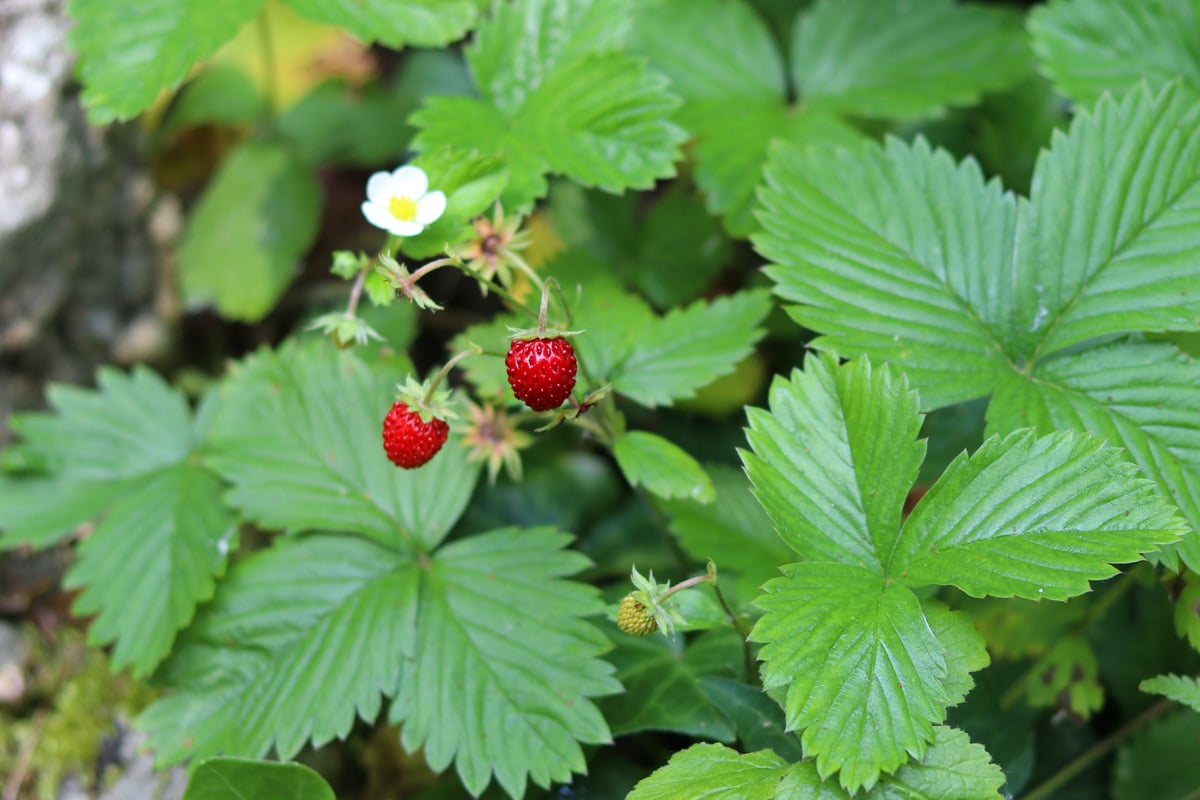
x=379, y=188
x=430, y=207
x=410, y=182
x=403, y=227
x=378, y=215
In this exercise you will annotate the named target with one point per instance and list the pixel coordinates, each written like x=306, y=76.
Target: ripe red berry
x=541, y=372
x=408, y=440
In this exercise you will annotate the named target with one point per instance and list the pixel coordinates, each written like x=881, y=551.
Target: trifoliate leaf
x=1067, y=677
x=1142, y=397
x=298, y=435
x=757, y=720
x=690, y=347
x=266, y=664
x=662, y=690
x=1032, y=517
x=1106, y=243
x=662, y=467
x=734, y=532
x=864, y=673
x=249, y=229
x=1178, y=688
x=898, y=252
x=713, y=772
x=124, y=454
x=131, y=50
x=530, y=61
x=1089, y=47
x=952, y=767
x=500, y=640
x=835, y=458
x=1160, y=762
x=242, y=779
x=395, y=23
x=893, y=59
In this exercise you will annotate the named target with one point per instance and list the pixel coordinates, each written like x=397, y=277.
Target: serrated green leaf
x=472, y=183
x=1088, y=47
x=898, y=252
x=679, y=251
x=691, y=347
x=242, y=779
x=1142, y=397
x=298, y=436
x=1106, y=243
x=835, y=458
x=1160, y=762
x=734, y=532
x=613, y=320
x=501, y=647
x=256, y=218
x=662, y=690
x=1181, y=689
x=757, y=719
x=952, y=767
x=131, y=50
x=395, y=23
x=124, y=454
x=662, y=467
x=863, y=670
x=1032, y=517
x=713, y=772
x=898, y=60
x=265, y=664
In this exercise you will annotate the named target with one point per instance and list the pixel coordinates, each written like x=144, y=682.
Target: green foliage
x=1180, y=689
x=1067, y=677
x=1088, y=47
x=1140, y=773
x=557, y=95
x=662, y=467
x=264, y=204
x=396, y=23
x=159, y=521
x=241, y=779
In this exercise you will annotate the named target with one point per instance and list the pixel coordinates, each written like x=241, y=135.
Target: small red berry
x=408, y=440
x=541, y=372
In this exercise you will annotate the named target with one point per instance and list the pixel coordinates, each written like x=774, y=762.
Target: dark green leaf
x=240, y=779
x=220, y=94
x=1160, y=762
x=757, y=719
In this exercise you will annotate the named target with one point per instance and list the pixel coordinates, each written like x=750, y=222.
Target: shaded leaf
x=241, y=779
x=662, y=467
x=757, y=719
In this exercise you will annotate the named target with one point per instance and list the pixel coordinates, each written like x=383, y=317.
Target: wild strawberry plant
x=862, y=578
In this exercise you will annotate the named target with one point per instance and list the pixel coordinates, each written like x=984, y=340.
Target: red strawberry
x=408, y=440
x=541, y=372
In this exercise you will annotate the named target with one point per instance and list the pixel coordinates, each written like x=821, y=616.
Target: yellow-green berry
x=633, y=619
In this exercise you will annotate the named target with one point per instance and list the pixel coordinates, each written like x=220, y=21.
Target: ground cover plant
x=717, y=399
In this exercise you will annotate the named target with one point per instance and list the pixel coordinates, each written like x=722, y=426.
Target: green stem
x=266, y=47
x=521, y=264
x=1097, y=751
x=498, y=289
x=743, y=634
x=437, y=381
x=356, y=292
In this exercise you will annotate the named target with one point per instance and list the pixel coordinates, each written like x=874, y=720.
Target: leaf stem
x=266, y=46
x=498, y=289
x=472, y=350
x=356, y=292
x=1098, y=751
x=743, y=634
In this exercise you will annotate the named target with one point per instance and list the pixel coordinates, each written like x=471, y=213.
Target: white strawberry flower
x=400, y=202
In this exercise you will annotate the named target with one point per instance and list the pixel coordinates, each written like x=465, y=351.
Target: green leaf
x=898, y=252
x=952, y=767
x=395, y=23
x=472, y=183
x=713, y=772
x=1178, y=688
x=835, y=458
x=298, y=435
x=756, y=718
x=865, y=674
x=163, y=534
x=895, y=60
x=613, y=321
x=1067, y=677
x=1088, y=47
x=1142, y=397
x=532, y=62
x=662, y=690
x=1105, y=244
x=679, y=250
x=249, y=229
x=241, y=779
x=264, y=665
x=336, y=123
x=1187, y=612
x=1161, y=761
x=221, y=94
x=131, y=50
x=662, y=467
x=1032, y=517
x=691, y=347
x=734, y=532
x=501, y=648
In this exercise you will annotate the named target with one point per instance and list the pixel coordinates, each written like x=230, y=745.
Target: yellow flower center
x=403, y=208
